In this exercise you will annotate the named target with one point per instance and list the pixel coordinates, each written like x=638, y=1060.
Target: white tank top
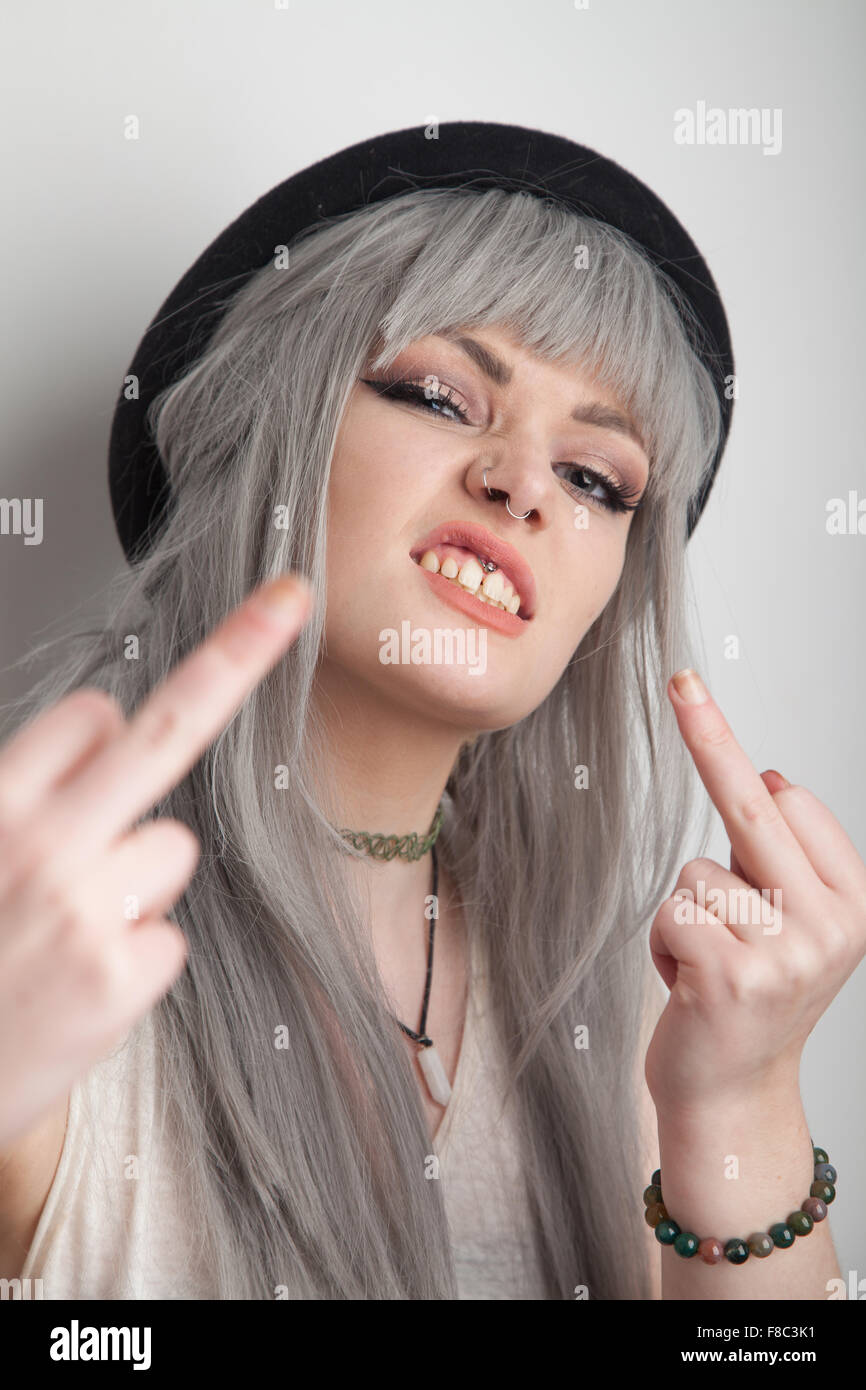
x=117, y=1223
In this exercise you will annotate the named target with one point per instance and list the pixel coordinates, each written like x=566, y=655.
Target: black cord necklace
x=428, y=1058
x=421, y=1036
x=412, y=847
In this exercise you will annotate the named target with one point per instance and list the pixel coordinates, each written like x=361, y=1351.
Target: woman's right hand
x=78, y=968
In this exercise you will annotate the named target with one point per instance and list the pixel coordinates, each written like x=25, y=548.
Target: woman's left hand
x=755, y=954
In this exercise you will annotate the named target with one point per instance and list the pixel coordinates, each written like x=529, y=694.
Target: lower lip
x=450, y=592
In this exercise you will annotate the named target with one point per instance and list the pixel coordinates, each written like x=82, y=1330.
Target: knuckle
x=698, y=868
x=836, y=945
x=714, y=733
x=176, y=842
x=795, y=793
x=759, y=808
x=665, y=912
x=668, y=905
x=182, y=835
x=746, y=984
x=88, y=955
x=794, y=970
x=94, y=973
x=28, y=853
x=742, y=905
x=104, y=705
x=64, y=909
x=157, y=725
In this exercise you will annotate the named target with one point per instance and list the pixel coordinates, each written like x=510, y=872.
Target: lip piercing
x=507, y=508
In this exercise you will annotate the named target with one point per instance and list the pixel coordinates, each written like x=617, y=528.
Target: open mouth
x=479, y=564
x=465, y=569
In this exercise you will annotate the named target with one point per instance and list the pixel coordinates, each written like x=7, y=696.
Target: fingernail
x=689, y=686
x=780, y=777
x=283, y=597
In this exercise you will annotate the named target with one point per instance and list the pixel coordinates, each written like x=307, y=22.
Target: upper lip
x=483, y=542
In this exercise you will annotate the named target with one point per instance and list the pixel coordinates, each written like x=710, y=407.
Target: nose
x=521, y=487
x=497, y=493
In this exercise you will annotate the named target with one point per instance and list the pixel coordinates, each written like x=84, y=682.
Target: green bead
x=825, y=1190
x=686, y=1244
x=820, y=1155
x=761, y=1244
x=656, y=1178
x=782, y=1235
x=667, y=1232
x=800, y=1222
x=652, y=1194
x=737, y=1251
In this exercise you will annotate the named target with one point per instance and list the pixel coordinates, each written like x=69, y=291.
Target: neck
x=389, y=765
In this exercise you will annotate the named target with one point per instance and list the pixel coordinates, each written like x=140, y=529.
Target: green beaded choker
x=409, y=847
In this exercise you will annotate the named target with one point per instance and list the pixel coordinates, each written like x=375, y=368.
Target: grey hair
x=308, y=1163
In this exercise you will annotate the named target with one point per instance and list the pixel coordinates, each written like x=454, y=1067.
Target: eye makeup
x=422, y=393
x=621, y=497
x=441, y=402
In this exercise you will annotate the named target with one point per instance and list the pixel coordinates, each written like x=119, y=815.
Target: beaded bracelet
x=762, y=1243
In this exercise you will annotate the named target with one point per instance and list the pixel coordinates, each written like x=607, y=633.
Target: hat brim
x=481, y=154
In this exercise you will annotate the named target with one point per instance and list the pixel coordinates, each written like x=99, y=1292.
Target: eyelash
x=621, y=497
x=408, y=390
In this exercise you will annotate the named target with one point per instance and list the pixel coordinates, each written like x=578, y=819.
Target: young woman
x=450, y=423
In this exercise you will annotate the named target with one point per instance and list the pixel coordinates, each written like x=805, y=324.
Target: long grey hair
x=308, y=1161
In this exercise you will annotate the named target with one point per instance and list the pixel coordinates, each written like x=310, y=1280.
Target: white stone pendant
x=434, y=1074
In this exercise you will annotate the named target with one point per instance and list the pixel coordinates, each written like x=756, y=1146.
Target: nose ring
x=507, y=508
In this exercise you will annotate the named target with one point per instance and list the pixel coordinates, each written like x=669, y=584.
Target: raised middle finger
x=173, y=727
x=769, y=852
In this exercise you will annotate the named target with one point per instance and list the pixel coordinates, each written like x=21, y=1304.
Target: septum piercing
x=507, y=508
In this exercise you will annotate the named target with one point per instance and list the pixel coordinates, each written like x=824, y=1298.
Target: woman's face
x=406, y=471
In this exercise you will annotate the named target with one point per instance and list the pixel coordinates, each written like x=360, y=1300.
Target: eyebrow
x=591, y=413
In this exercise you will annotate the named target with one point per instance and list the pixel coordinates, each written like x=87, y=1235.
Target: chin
x=478, y=702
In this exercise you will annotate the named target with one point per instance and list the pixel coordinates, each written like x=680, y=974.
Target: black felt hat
x=482, y=154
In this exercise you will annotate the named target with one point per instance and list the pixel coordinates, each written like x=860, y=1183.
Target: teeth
x=492, y=588
x=494, y=585
x=471, y=575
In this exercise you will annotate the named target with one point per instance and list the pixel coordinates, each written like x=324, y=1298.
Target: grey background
x=232, y=97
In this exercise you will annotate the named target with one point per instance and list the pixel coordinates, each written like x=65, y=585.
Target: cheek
x=355, y=513
x=372, y=481
x=595, y=573
x=371, y=496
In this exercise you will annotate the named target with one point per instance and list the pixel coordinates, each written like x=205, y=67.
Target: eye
x=618, y=497
x=428, y=393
